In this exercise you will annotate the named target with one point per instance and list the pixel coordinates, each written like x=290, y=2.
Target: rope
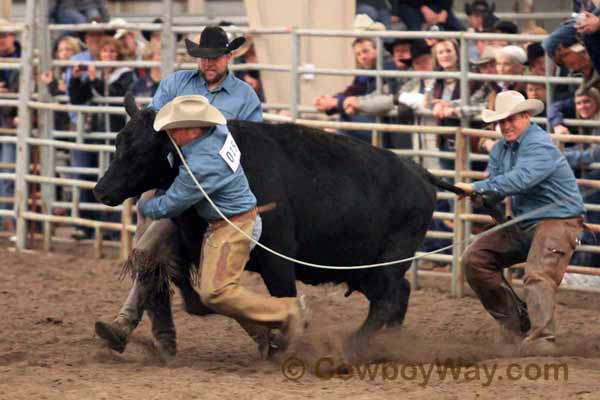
x=353, y=267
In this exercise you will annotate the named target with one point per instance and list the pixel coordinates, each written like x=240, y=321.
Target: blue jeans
x=8, y=154
x=413, y=19
x=592, y=45
x=382, y=15
x=86, y=159
x=73, y=16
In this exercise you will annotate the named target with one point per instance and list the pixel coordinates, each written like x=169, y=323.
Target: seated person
x=366, y=57
x=510, y=60
x=415, y=14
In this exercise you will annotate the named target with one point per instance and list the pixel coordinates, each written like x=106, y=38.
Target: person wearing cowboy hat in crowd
x=154, y=36
x=214, y=159
x=235, y=99
x=526, y=166
x=213, y=79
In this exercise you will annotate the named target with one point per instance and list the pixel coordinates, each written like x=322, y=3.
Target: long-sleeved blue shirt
x=233, y=97
x=535, y=174
x=224, y=181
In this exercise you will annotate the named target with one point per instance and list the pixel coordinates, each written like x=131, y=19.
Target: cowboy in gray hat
x=526, y=166
x=234, y=99
x=214, y=159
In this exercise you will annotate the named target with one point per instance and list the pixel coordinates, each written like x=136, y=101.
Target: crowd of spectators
x=572, y=49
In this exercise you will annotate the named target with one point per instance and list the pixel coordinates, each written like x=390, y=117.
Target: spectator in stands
x=415, y=14
x=476, y=14
x=154, y=36
x=537, y=91
x=78, y=11
x=439, y=100
x=246, y=54
x=66, y=47
x=110, y=81
x=366, y=56
x=377, y=10
x=588, y=29
x=145, y=86
x=510, y=60
x=132, y=47
x=585, y=106
x=82, y=88
x=566, y=35
x=577, y=60
x=419, y=58
x=9, y=83
x=402, y=59
x=535, y=59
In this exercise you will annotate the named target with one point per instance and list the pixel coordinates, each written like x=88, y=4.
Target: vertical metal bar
x=46, y=120
x=377, y=137
x=460, y=164
x=295, y=76
x=24, y=128
x=549, y=65
x=76, y=194
x=167, y=41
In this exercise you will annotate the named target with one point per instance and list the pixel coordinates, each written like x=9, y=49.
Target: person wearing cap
x=476, y=12
x=566, y=35
x=132, y=48
x=416, y=13
x=213, y=79
x=526, y=166
x=214, y=160
x=510, y=60
x=9, y=83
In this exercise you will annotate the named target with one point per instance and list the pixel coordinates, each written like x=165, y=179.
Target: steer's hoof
x=167, y=350
x=115, y=337
x=195, y=306
x=356, y=349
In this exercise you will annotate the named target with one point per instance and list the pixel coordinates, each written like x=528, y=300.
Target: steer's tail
x=435, y=181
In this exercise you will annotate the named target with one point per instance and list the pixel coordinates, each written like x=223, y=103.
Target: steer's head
x=140, y=162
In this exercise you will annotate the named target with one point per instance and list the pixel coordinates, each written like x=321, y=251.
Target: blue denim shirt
x=233, y=97
x=228, y=189
x=534, y=173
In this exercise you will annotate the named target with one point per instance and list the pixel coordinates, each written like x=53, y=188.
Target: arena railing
x=48, y=136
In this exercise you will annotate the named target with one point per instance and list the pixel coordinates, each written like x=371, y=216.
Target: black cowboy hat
x=389, y=46
x=213, y=43
x=534, y=50
x=479, y=6
x=148, y=34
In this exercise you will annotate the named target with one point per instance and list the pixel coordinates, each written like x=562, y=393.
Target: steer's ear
x=130, y=106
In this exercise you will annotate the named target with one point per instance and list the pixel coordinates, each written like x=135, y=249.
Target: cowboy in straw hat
x=234, y=99
x=527, y=166
x=214, y=159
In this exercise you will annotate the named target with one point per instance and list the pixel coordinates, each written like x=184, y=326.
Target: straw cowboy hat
x=362, y=22
x=188, y=112
x=213, y=43
x=510, y=103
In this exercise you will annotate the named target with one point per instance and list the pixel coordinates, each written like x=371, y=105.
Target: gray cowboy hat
x=510, y=103
x=213, y=43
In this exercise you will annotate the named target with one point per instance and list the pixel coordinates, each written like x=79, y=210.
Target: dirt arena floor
x=448, y=348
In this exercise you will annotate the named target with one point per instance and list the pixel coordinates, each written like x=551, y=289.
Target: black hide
x=339, y=202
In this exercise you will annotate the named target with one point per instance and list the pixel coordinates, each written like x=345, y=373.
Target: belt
x=219, y=223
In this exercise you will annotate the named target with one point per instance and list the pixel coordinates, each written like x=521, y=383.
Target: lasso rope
x=337, y=267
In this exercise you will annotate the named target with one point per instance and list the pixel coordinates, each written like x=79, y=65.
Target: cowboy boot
x=130, y=315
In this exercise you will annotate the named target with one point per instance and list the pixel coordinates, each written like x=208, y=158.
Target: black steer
x=339, y=202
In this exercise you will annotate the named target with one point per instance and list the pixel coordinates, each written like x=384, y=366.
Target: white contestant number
x=230, y=152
